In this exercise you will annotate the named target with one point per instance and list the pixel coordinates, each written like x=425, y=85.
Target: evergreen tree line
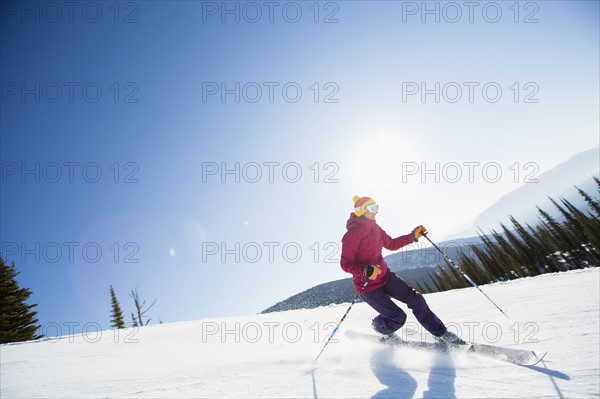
x=525, y=251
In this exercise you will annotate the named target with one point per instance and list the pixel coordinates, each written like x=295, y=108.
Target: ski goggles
x=373, y=208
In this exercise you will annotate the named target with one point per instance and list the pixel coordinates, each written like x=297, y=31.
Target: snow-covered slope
x=271, y=355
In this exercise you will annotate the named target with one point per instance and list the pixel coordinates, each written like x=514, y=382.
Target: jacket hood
x=355, y=222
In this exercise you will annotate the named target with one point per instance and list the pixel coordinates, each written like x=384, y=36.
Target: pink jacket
x=362, y=245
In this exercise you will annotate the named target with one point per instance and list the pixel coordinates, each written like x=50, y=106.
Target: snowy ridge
x=270, y=355
x=558, y=182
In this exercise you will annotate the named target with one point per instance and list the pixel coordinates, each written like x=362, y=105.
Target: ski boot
x=391, y=338
x=450, y=338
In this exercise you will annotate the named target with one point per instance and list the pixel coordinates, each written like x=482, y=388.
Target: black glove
x=371, y=272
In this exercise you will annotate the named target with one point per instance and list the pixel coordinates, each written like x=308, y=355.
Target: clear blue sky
x=157, y=96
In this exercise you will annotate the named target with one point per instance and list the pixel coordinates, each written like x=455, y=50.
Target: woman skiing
x=361, y=256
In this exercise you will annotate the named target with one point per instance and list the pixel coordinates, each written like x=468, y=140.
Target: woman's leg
x=390, y=317
x=400, y=290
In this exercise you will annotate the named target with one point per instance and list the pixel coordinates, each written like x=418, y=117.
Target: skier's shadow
x=400, y=384
x=441, y=378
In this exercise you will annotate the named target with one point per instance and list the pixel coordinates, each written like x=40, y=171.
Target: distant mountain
x=558, y=182
x=404, y=261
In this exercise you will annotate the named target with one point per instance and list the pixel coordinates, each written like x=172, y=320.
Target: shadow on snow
x=400, y=384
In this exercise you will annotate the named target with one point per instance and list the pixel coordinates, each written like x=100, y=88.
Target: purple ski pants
x=391, y=317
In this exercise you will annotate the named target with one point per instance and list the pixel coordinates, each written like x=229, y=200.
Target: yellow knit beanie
x=360, y=204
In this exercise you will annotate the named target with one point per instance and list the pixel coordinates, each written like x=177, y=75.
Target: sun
x=376, y=163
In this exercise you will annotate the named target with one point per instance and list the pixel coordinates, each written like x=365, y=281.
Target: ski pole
x=335, y=330
x=464, y=274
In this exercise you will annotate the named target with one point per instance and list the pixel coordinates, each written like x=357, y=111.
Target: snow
x=271, y=355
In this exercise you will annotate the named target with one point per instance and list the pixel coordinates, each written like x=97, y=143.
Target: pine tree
x=588, y=231
x=550, y=243
x=532, y=245
x=117, y=320
x=435, y=279
x=17, y=319
x=561, y=240
x=416, y=284
x=427, y=287
x=593, y=203
x=522, y=255
x=470, y=267
x=590, y=225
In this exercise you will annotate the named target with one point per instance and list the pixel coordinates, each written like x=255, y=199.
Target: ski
x=519, y=357
x=432, y=346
